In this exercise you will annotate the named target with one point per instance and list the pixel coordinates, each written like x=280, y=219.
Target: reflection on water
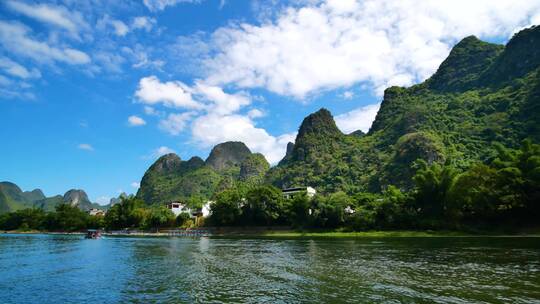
x=70, y=269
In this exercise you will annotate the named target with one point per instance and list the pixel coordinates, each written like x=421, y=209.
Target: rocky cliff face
x=77, y=198
x=228, y=154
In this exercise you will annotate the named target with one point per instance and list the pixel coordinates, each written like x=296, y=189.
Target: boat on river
x=93, y=234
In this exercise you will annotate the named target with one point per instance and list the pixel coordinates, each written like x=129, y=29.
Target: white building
x=206, y=209
x=291, y=192
x=177, y=208
x=96, y=212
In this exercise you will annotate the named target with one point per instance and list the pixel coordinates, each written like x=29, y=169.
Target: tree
x=298, y=210
x=225, y=211
x=126, y=214
x=433, y=185
x=160, y=217
x=68, y=218
x=264, y=206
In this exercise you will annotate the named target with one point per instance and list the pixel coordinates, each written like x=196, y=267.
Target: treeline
x=129, y=213
x=65, y=218
x=503, y=190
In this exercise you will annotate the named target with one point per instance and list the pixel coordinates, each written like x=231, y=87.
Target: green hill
x=13, y=198
x=171, y=178
x=481, y=94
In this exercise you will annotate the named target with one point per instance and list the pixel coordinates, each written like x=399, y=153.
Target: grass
x=399, y=233
x=362, y=234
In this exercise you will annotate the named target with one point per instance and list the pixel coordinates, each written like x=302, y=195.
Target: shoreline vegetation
x=291, y=233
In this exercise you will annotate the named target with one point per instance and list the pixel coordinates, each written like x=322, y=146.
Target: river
x=69, y=269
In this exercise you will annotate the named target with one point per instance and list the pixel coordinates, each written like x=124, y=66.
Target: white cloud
x=348, y=95
x=159, y=5
x=143, y=22
x=151, y=111
x=175, y=94
x=174, y=124
x=136, y=121
x=15, y=38
x=58, y=16
x=135, y=185
x=220, y=102
x=357, y=119
x=119, y=27
x=255, y=113
x=111, y=62
x=330, y=44
x=162, y=151
x=11, y=67
x=86, y=147
x=212, y=129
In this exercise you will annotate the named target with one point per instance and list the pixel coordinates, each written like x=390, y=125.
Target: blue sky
x=91, y=93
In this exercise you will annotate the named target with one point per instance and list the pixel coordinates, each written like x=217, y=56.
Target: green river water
x=69, y=269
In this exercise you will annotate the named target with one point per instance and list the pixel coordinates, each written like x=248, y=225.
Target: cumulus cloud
x=216, y=118
x=15, y=38
x=220, y=102
x=135, y=121
x=159, y=5
x=142, y=22
x=212, y=129
x=174, y=94
x=11, y=67
x=357, y=119
x=58, y=16
x=135, y=185
x=86, y=147
x=255, y=113
x=174, y=124
x=335, y=43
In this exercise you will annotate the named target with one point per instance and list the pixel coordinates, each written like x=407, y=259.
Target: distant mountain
x=77, y=198
x=171, y=178
x=13, y=198
x=49, y=203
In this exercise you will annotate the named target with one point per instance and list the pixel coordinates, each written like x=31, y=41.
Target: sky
x=93, y=92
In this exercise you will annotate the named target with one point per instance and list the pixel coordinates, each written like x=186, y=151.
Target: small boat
x=93, y=234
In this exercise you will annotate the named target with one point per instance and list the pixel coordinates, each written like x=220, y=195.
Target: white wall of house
x=206, y=208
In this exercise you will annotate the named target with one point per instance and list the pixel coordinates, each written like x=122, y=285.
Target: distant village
x=179, y=207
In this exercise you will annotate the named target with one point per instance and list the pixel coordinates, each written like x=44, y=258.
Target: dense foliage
x=504, y=190
x=229, y=164
x=481, y=94
x=129, y=213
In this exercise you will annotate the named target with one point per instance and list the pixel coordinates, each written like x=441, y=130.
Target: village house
x=291, y=192
x=178, y=207
x=96, y=212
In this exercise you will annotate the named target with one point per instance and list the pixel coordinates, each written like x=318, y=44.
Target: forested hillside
x=482, y=94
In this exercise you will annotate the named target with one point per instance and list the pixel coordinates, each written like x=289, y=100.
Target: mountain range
x=12, y=198
x=481, y=94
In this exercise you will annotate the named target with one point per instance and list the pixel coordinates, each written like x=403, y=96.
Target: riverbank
x=282, y=233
